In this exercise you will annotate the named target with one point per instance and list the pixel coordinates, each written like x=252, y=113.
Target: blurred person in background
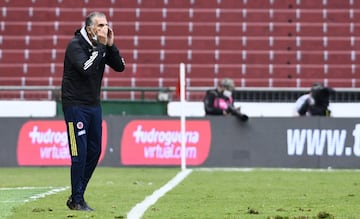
x=86, y=55
x=220, y=101
x=316, y=102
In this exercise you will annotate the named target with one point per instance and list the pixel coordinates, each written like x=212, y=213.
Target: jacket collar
x=85, y=36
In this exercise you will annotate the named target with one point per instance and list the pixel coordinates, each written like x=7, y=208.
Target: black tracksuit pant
x=84, y=135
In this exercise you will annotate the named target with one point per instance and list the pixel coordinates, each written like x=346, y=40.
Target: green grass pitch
x=205, y=193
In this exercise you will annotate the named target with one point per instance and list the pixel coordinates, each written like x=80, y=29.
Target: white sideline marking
x=225, y=169
x=37, y=196
x=139, y=209
x=51, y=192
x=25, y=188
x=234, y=169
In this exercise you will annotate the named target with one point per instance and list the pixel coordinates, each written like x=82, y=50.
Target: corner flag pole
x=182, y=116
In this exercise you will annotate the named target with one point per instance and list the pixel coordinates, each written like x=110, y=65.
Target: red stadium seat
x=269, y=43
x=337, y=4
x=38, y=3
x=32, y=56
x=233, y=15
x=175, y=42
x=204, y=15
x=177, y=14
x=150, y=15
x=227, y=4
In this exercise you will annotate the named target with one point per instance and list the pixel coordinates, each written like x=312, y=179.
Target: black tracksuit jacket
x=84, y=67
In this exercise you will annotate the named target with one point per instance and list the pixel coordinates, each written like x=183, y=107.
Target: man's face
x=100, y=25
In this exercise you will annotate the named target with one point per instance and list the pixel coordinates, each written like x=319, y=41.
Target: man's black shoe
x=70, y=203
x=78, y=206
x=83, y=206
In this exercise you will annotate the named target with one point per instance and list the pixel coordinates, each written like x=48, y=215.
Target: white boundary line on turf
x=243, y=169
x=26, y=188
x=52, y=191
x=139, y=209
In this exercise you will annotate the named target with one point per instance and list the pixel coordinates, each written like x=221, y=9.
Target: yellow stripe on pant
x=73, y=146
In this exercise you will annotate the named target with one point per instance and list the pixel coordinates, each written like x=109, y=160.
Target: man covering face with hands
x=99, y=31
x=86, y=55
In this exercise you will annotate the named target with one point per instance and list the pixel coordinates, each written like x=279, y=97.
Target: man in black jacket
x=85, y=58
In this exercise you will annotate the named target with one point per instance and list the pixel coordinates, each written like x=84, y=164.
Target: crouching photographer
x=219, y=101
x=316, y=102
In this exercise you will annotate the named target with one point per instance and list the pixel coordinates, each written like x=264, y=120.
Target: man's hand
x=102, y=36
x=110, y=37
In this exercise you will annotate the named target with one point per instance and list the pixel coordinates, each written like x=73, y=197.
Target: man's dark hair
x=89, y=19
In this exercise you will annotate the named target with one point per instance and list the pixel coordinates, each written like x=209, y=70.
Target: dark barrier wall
x=9, y=129
x=127, y=108
x=210, y=142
